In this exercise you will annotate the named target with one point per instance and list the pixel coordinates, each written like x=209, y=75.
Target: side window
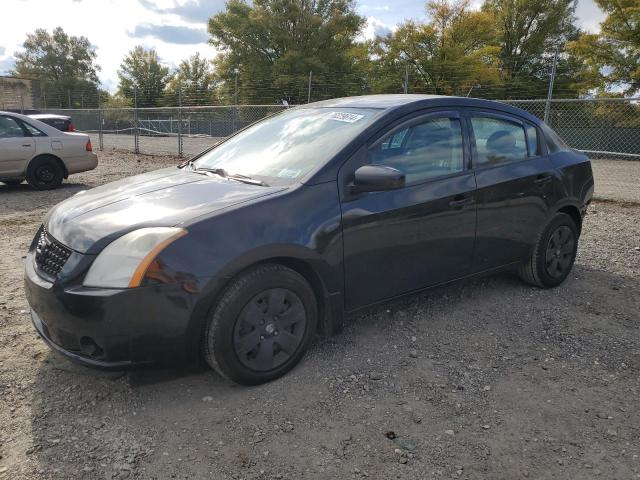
x=10, y=128
x=426, y=150
x=498, y=141
x=532, y=140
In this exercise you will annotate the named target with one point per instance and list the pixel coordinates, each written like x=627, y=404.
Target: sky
x=175, y=28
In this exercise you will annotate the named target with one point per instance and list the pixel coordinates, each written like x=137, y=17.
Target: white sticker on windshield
x=289, y=173
x=345, y=117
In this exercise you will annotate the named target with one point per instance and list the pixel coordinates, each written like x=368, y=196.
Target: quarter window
x=532, y=141
x=498, y=141
x=423, y=151
x=10, y=128
x=33, y=130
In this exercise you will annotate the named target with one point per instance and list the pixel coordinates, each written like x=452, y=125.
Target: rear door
x=401, y=240
x=16, y=147
x=515, y=187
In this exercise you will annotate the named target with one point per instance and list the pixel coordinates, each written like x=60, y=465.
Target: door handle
x=461, y=202
x=26, y=144
x=543, y=179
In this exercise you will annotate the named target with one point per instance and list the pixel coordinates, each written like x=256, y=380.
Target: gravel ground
x=483, y=379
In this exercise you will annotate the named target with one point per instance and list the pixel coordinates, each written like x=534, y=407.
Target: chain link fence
x=608, y=130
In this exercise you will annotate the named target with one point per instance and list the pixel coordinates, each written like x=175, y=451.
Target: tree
x=612, y=57
x=142, y=77
x=528, y=32
x=451, y=54
x=270, y=46
x=64, y=65
x=193, y=81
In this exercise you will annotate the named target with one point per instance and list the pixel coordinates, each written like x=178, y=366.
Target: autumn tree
x=528, y=33
x=270, y=46
x=142, y=78
x=192, y=83
x=63, y=64
x=611, y=58
x=451, y=54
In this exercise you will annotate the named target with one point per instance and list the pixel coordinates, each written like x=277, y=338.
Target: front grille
x=50, y=254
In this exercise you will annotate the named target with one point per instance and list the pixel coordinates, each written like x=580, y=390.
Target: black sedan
x=247, y=251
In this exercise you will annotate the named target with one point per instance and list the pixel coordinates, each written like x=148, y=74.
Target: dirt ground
x=487, y=379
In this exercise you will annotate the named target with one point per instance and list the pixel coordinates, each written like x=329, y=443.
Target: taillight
x=71, y=127
x=89, y=147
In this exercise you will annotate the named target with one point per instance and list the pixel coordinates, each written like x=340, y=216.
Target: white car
x=40, y=153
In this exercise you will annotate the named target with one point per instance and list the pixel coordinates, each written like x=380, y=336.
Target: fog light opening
x=90, y=348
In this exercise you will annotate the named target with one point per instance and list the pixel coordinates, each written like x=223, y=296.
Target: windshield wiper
x=235, y=176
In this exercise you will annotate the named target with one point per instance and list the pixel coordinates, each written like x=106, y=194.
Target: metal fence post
x=547, y=106
x=309, y=89
x=136, y=140
x=100, y=122
x=180, y=122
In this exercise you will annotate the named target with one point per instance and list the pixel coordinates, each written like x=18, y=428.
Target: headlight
x=124, y=261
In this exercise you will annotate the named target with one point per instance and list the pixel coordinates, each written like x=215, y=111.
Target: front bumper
x=113, y=328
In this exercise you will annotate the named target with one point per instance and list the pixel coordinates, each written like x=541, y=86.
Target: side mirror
x=374, y=178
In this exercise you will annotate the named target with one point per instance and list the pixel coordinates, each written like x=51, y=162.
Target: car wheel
x=261, y=325
x=554, y=253
x=11, y=182
x=45, y=173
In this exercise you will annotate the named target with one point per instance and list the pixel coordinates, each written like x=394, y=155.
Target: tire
x=554, y=253
x=261, y=326
x=45, y=173
x=11, y=182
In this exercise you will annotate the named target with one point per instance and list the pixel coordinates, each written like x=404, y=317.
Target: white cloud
x=106, y=23
x=376, y=27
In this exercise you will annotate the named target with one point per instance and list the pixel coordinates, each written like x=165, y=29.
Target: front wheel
x=554, y=253
x=261, y=326
x=45, y=173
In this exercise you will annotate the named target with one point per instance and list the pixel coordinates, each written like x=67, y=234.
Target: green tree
x=193, y=81
x=270, y=47
x=612, y=57
x=528, y=32
x=64, y=65
x=142, y=78
x=451, y=54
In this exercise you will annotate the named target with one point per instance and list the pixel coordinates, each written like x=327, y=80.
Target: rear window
x=58, y=123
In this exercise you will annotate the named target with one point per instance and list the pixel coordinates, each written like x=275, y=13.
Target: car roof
x=411, y=101
x=49, y=115
x=48, y=129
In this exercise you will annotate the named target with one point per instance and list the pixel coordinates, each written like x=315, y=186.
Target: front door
x=423, y=234
x=16, y=148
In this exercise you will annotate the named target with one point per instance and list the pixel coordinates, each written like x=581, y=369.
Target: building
x=18, y=94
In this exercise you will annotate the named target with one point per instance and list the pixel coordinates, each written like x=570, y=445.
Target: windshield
x=282, y=149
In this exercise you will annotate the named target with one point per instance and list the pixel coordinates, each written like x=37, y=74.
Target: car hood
x=91, y=219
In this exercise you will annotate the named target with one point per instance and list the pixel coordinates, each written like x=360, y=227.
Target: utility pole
x=236, y=72
x=547, y=106
x=235, y=107
x=309, y=89
x=406, y=78
x=180, y=122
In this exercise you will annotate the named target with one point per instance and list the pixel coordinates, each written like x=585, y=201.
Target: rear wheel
x=554, y=253
x=261, y=326
x=11, y=182
x=45, y=173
